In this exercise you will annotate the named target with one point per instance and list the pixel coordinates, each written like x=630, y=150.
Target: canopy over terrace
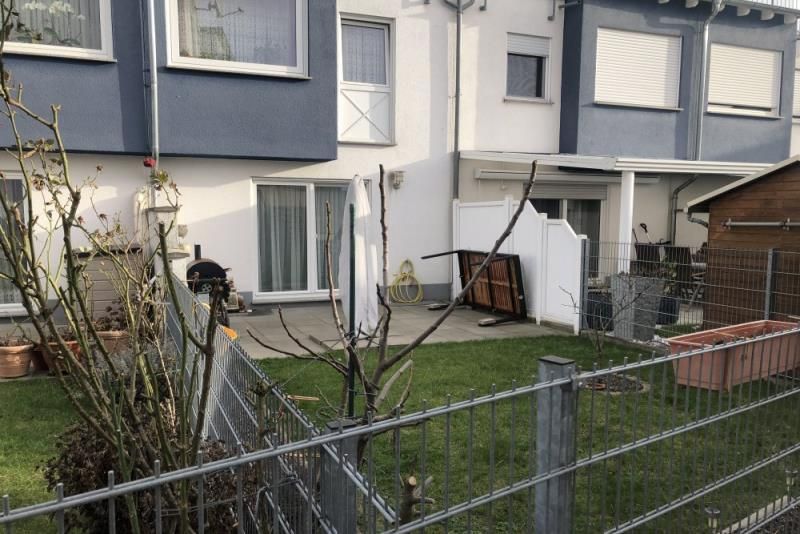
x=554, y=170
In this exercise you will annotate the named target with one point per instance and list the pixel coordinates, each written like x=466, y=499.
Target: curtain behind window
x=335, y=196
x=364, y=54
x=8, y=293
x=71, y=23
x=249, y=31
x=282, y=238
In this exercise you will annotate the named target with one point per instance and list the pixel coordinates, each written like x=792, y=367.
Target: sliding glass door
x=292, y=229
x=583, y=215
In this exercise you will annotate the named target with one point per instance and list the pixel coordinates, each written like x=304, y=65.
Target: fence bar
x=555, y=447
x=769, y=285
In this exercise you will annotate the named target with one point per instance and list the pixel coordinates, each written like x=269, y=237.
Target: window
x=637, y=69
x=242, y=36
x=526, y=65
x=744, y=81
x=292, y=228
x=365, y=92
x=67, y=28
x=796, y=101
x=9, y=294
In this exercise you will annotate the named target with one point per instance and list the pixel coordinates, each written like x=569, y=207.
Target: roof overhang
x=701, y=204
x=618, y=164
x=766, y=7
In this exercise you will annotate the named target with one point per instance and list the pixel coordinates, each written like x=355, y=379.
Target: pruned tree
x=392, y=370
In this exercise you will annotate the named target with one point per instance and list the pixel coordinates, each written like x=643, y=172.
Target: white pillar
x=625, y=221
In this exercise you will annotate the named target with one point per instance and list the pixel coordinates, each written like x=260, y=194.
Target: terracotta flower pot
x=71, y=345
x=15, y=361
x=727, y=367
x=115, y=341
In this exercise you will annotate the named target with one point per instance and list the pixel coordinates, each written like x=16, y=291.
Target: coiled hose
x=405, y=288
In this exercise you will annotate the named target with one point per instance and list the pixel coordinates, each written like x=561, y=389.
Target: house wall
x=593, y=129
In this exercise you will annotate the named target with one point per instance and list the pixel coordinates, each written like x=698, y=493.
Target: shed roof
x=701, y=204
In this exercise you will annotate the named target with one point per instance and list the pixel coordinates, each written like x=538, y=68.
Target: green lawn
x=32, y=414
x=611, y=491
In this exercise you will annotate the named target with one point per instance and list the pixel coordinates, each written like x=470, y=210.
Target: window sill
x=368, y=143
x=636, y=106
x=292, y=296
x=742, y=114
x=12, y=310
x=236, y=70
x=57, y=52
x=526, y=100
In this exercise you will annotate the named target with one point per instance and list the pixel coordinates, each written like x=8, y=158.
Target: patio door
x=583, y=215
x=292, y=229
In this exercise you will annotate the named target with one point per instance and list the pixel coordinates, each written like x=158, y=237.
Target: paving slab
x=312, y=323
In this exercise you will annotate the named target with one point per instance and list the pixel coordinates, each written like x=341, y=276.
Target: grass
x=611, y=491
x=32, y=414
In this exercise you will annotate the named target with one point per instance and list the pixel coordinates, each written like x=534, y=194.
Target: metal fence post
x=583, y=309
x=555, y=446
x=337, y=490
x=768, y=283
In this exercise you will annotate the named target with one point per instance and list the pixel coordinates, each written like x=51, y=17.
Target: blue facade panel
x=206, y=113
x=105, y=105
x=102, y=103
x=595, y=129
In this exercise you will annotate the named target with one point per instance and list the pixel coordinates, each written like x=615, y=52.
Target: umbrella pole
x=351, y=371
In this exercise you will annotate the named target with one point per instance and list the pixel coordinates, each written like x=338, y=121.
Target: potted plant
x=68, y=336
x=112, y=329
x=728, y=366
x=670, y=304
x=15, y=356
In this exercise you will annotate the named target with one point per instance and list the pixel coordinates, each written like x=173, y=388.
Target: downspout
x=716, y=7
x=460, y=7
x=153, y=67
x=673, y=207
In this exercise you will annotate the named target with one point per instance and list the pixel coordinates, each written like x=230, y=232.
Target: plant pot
x=71, y=345
x=599, y=311
x=635, y=301
x=727, y=367
x=38, y=361
x=115, y=341
x=15, y=361
x=668, y=310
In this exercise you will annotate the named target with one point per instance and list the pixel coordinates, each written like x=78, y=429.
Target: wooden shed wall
x=736, y=275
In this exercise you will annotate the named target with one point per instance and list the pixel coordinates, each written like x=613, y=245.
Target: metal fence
x=639, y=291
x=696, y=441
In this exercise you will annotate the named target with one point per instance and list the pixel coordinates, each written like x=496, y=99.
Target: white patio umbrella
x=365, y=260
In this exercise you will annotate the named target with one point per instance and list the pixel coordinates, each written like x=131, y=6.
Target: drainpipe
x=716, y=7
x=673, y=207
x=153, y=67
x=460, y=6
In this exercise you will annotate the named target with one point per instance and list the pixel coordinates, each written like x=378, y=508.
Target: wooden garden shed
x=753, y=255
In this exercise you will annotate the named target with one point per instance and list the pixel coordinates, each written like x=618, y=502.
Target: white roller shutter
x=744, y=80
x=639, y=69
x=796, y=101
x=528, y=45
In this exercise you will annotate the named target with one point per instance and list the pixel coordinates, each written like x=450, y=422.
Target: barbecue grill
x=202, y=273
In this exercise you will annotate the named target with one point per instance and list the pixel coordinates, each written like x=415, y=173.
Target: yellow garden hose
x=406, y=288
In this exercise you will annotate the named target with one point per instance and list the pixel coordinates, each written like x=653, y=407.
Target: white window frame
x=388, y=87
x=313, y=292
x=796, y=94
x=105, y=53
x=175, y=60
x=545, y=98
x=630, y=104
x=12, y=309
x=725, y=109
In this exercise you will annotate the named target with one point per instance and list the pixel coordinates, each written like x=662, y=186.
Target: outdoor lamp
x=398, y=177
x=713, y=518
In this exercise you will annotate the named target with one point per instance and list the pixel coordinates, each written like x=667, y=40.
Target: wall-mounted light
x=398, y=177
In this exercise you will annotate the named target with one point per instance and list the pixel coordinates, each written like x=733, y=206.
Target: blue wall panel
x=106, y=107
